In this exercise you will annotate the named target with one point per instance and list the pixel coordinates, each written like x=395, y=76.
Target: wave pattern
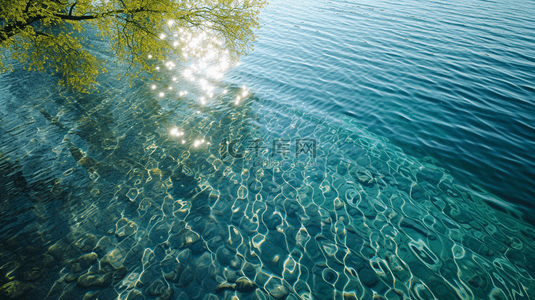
x=448, y=80
x=129, y=194
x=105, y=202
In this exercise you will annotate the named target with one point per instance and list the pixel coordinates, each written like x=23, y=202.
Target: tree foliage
x=48, y=35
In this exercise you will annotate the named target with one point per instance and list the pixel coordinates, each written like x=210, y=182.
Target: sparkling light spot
x=162, y=94
x=153, y=87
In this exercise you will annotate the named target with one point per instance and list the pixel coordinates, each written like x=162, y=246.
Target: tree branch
x=27, y=6
x=43, y=34
x=76, y=18
x=72, y=7
x=105, y=14
x=11, y=29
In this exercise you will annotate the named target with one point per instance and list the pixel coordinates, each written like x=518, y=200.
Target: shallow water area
x=236, y=187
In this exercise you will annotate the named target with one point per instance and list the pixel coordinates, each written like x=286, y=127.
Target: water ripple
x=450, y=80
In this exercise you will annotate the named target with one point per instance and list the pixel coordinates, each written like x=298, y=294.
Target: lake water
x=380, y=150
x=451, y=81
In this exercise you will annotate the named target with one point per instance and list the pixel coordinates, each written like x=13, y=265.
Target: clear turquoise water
x=420, y=187
x=450, y=80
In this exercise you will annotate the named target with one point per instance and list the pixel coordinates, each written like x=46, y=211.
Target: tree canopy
x=47, y=35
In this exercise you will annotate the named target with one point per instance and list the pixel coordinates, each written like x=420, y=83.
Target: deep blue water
x=362, y=151
x=451, y=81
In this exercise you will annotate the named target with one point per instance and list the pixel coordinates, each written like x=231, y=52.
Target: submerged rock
x=125, y=227
x=103, y=245
x=87, y=243
x=15, y=289
x=135, y=295
x=70, y=277
x=88, y=280
x=156, y=288
x=114, y=259
x=277, y=289
x=172, y=269
x=119, y=274
x=32, y=273
x=91, y=295
x=61, y=250
x=166, y=294
x=224, y=286
x=244, y=285
x=82, y=263
x=278, y=292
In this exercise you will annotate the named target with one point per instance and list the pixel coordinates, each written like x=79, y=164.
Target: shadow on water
x=89, y=183
x=51, y=189
x=24, y=260
x=34, y=203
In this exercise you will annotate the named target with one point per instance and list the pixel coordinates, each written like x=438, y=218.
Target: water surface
x=362, y=151
x=447, y=81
